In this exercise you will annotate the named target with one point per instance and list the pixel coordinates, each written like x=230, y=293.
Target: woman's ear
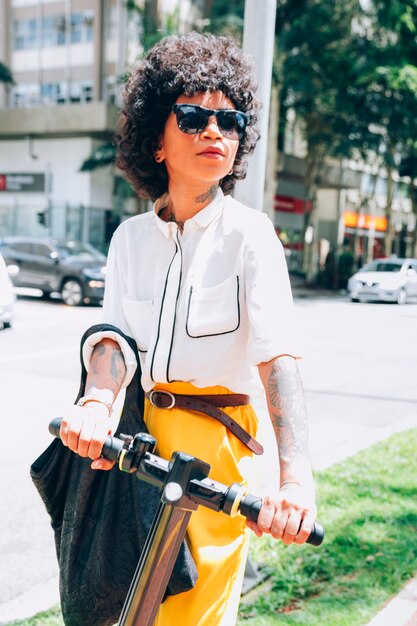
x=159, y=154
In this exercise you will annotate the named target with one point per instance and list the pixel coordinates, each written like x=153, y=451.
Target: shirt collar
x=202, y=219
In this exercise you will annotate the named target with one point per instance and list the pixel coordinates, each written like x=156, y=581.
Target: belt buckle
x=166, y=393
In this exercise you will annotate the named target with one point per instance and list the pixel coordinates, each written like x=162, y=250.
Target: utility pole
x=258, y=43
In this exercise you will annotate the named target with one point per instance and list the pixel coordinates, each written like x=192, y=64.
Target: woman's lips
x=212, y=153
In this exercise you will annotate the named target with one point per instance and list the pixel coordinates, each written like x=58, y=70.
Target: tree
x=6, y=76
x=349, y=71
x=316, y=65
x=225, y=17
x=390, y=89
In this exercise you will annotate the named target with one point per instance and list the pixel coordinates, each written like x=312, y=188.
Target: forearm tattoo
x=107, y=368
x=288, y=411
x=98, y=352
x=117, y=367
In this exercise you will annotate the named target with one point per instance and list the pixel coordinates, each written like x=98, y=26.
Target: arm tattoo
x=107, y=367
x=117, y=368
x=288, y=411
x=99, y=351
x=209, y=194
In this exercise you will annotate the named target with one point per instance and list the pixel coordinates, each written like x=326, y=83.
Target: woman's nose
x=212, y=128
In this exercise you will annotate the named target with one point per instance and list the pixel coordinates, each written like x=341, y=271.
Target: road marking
x=44, y=354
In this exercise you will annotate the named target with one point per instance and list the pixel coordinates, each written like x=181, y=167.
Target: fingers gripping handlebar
x=135, y=454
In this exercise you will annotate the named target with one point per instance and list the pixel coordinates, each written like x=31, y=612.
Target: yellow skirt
x=218, y=543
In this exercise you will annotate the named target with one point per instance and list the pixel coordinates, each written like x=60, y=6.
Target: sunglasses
x=192, y=119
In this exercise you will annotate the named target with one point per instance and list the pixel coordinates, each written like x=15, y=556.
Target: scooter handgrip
x=317, y=535
x=111, y=448
x=54, y=426
x=251, y=505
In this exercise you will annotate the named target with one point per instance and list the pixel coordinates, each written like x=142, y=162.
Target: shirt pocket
x=213, y=310
x=138, y=315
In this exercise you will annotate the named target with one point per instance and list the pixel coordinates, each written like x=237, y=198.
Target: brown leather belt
x=210, y=406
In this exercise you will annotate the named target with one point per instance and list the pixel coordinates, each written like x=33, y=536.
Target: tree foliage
x=6, y=76
x=349, y=71
x=225, y=17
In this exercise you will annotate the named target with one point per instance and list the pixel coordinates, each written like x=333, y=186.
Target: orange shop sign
x=361, y=220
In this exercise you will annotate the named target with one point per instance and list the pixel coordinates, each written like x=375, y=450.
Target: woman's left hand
x=288, y=516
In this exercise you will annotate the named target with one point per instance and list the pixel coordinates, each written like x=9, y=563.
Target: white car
x=386, y=280
x=7, y=295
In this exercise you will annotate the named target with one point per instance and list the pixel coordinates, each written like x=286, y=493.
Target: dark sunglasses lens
x=192, y=121
x=232, y=124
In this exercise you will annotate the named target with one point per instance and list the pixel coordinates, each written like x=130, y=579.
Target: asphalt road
x=358, y=369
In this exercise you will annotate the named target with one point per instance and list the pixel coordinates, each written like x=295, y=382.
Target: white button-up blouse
x=205, y=306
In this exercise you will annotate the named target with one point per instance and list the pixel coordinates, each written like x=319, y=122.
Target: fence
x=60, y=221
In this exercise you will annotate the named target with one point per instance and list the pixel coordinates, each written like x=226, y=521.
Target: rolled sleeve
x=112, y=313
x=269, y=299
x=128, y=354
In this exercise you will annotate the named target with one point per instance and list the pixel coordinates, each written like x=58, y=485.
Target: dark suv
x=72, y=268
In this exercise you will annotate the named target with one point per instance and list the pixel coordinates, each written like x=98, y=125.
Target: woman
x=201, y=284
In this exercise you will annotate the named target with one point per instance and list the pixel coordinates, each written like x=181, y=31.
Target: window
x=53, y=31
x=81, y=91
x=386, y=266
x=25, y=34
x=41, y=250
x=25, y=248
x=63, y=92
x=82, y=27
x=25, y=95
x=49, y=92
x=111, y=90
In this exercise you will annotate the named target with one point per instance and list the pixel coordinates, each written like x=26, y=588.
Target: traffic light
x=42, y=218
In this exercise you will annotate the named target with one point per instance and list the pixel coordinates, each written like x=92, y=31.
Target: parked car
x=7, y=296
x=387, y=280
x=71, y=268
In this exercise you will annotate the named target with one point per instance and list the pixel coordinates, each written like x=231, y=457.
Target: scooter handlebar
x=249, y=505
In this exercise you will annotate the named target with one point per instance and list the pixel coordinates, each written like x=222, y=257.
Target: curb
x=401, y=610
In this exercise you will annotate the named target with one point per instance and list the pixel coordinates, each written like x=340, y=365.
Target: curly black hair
x=175, y=66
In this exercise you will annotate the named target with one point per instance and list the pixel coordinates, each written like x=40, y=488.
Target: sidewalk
x=301, y=289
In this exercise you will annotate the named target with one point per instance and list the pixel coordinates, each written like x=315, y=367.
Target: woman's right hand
x=84, y=429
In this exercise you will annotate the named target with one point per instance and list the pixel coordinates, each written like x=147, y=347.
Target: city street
x=358, y=368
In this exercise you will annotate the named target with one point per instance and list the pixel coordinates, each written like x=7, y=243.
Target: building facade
x=349, y=212
x=67, y=58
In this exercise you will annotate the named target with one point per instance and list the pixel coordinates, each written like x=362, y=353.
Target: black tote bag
x=101, y=519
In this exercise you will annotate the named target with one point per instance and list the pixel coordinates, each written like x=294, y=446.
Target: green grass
x=368, y=505
x=52, y=617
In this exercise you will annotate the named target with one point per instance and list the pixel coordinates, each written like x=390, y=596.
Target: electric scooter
x=184, y=484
